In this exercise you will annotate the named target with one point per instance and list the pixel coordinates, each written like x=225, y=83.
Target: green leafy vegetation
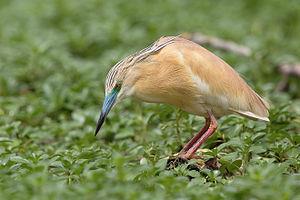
x=54, y=56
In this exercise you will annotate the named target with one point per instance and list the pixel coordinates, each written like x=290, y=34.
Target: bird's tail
x=257, y=107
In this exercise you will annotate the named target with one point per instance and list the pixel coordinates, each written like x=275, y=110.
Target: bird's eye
x=118, y=86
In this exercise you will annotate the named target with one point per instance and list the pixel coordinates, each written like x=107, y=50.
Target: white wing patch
x=251, y=115
x=224, y=101
x=202, y=85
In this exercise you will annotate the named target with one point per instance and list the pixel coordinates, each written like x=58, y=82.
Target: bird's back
x=206, y=81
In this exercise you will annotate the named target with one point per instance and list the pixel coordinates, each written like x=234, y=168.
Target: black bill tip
x=99, y=123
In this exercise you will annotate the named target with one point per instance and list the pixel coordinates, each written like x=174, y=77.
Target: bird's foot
x=198, y=164
x=175, y=161
x=179, y=159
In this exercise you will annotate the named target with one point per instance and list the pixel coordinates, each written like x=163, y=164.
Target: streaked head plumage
x=118, y=74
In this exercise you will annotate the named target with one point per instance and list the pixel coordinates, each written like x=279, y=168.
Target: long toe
x=175, y=161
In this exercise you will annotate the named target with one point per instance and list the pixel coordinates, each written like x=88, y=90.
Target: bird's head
x=115, y=89
x=119, y=83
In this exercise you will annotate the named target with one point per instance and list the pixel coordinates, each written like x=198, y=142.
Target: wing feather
x=223, y=81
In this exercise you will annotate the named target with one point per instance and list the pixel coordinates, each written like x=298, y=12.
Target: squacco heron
x=179, y=72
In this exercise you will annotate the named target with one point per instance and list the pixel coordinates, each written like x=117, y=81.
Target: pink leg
x=212, y=127
x=196, y=137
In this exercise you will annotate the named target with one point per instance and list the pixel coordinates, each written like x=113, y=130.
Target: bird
x=176, y=71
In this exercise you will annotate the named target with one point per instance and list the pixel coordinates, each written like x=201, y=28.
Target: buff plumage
x=179, y=72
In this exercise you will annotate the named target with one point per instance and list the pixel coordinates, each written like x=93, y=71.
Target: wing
x=219, y=84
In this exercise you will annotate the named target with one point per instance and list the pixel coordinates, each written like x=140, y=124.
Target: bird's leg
x=211, y=129
x=195, y=138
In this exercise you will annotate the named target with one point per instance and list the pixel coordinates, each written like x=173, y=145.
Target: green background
x=54, y=55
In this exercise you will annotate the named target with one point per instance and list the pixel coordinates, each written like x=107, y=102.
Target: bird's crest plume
x=117, y=73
